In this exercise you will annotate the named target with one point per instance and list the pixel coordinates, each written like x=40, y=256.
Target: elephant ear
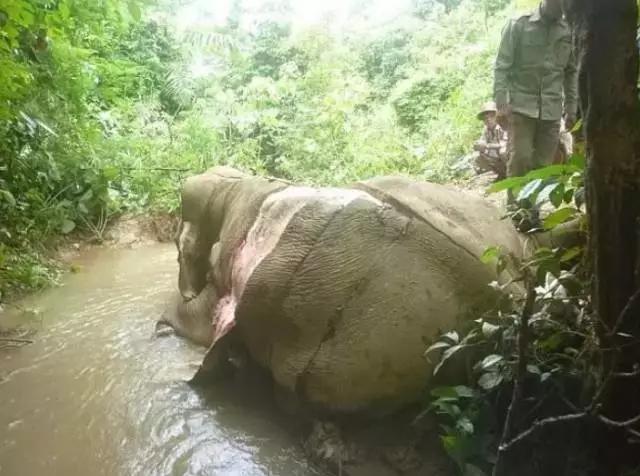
x=198, y=190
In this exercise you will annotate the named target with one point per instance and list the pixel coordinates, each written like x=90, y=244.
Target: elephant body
x=337, y=292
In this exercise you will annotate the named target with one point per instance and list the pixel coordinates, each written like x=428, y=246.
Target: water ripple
x=97, y=394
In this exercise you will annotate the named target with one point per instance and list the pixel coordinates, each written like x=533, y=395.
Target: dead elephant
x=336, y=292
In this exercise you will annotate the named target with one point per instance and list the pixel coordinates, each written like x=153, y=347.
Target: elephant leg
x=289, y=402
x=220, y=362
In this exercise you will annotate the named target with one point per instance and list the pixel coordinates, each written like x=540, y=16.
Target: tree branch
x=501, y=469
x=632, y=307
x=634, y=374
x=539, y=425
x=619, y=424
x=592, y=410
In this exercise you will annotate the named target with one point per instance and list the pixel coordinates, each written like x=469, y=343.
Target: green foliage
x=65, y=63
x=466, y=423
x=561, y=328
x=384, y=58
x=417, y=100
x=560, y=186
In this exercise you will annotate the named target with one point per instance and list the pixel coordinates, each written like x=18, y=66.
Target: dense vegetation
x=105, y=107
x=103, y=111
x=557, y=361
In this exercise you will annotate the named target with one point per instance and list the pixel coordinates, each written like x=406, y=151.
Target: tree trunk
x=608, y=72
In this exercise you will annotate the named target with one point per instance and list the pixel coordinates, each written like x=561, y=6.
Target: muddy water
x=98, y=394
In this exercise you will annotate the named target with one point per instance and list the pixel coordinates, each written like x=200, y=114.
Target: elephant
x=335, y=292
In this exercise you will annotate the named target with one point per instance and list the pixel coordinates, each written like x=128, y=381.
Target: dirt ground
x=479, y=184
x=392, y=446
x=128, y=231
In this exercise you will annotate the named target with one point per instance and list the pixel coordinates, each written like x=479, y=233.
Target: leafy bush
x=552, y=293
x=64, y=65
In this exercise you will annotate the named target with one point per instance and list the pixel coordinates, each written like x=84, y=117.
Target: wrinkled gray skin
x=191, y=318
x=341, y=310
x=218, y=206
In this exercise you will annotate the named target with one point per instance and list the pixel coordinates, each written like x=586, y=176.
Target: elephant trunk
x=193, y=319
x=193, y=254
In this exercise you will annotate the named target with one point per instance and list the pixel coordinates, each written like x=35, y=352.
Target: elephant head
x=203, y=198
x=192, y=319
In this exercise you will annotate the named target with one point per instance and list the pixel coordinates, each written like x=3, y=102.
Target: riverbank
x=43, y=265
x=20, y=324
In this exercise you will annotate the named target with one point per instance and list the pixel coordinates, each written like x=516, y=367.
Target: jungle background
x=105, y=106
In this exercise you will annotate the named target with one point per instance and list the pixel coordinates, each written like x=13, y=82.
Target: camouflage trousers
x=533, y=144
x=487, y=163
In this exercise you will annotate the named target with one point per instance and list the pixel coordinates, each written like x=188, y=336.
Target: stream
x=97, y=393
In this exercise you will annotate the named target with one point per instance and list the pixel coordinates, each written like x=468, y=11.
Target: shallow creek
x=98, y=394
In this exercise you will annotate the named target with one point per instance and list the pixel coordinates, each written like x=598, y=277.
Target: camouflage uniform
x=535, y=73
x=493, y=158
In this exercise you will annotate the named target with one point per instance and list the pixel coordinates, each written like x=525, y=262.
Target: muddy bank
x=125, y=231
x=64, y=255
x=388, y=447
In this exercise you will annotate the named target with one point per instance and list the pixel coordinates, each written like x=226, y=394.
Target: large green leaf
x=465, y=425
x=490, y=254
x=437, y=346
x=453, y=336
x=571, y=253
x=529, y=189
x=450, y=352
x=490, y=361
x=508, y=183
x=459, y=391
x=538, y=174
x=557, y=195
x=559, y=217
x=546, y=192
x=552, y=171
x=488, y=329
x=490, y=380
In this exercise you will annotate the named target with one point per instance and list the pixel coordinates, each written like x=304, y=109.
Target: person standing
x=535, y=85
